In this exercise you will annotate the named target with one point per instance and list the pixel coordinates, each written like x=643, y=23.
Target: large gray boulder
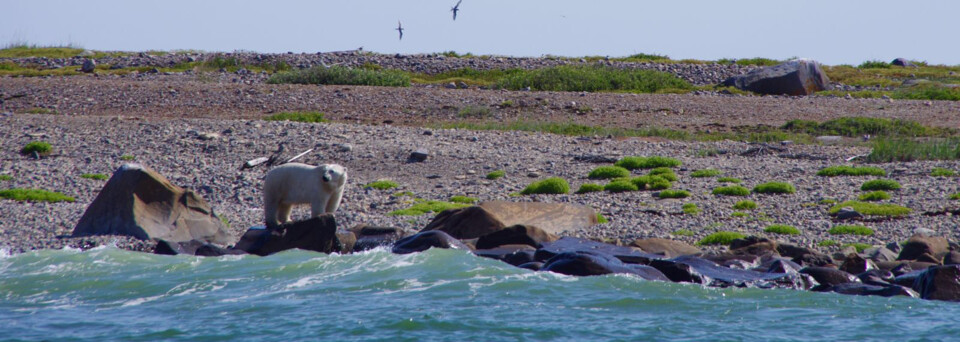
x=140, y=202
x=796, y=77
x=488, y=217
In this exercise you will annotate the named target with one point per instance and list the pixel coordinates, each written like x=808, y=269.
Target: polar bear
x=294, y=183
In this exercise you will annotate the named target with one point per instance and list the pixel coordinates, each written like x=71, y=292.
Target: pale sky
x=832, y=32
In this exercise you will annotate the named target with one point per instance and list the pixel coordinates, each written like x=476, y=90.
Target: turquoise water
x=107, y=294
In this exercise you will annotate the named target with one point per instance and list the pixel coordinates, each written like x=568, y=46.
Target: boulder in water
x=317, y=234
x=425, y=240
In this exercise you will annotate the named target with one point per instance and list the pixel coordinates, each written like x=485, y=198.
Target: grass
x=942, y=172
x=955, y=196
x=739, y=214
x=127, y=157
x=859, y=126
x=40, y=147
x=21, y=50
x=594, y=79
x=637, y=162
x=876, y=74
x=774, y=188
x=843, y=170
x=828, y=243
x=905, y=150
x=496, y=174
x=674, y=194
x=224, y=219
x=608, y=172
x=314, y=117
x=874, y=196
x=735, y=190
x=682, y=232
x=729, y=180
x=745, y=205
x=859, y=246
x=471, y=111
x=782, y=229
x=620, y=186
x=705, y=173
x=6, y=177
x=342, y=76
x=601, y=219
x=651, y=182
x=928, y=92
x=381, y=184
x=589, y=187
x=845, y=229
x=553, y=185
x=874, y=64
x=691, y=209
x=664, y=172
x=880, y=184
x=720, y=238
x=422, y=207
x=96, y=176
x=463, y=199
x=872, y=209
x=34, y=195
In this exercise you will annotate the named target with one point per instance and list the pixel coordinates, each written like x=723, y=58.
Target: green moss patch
x=874, y=196
x=665, y=173
x=942, y=172
x=740, y=214
x=691, y=209
x=6, y=177
x=745, y=205
x=40, y=147
x=955, y=196
x=95, y=176
x=382, y=184
x=636, y=162
x=608, y=172
x=424, y=207
x=553, y=185
x=463, y=199
x=620, y=186
x=601, y=219
x=782, y=229
x=674, y=194
x=127, y=157
x=775, y=188
x=720, y=238
x=314, y=117
x=735, y=190
x=589, y=187
x=845, y=229
x=872, y=208
x=827, y=243
x=682, y=232
x=880, y=184
x=496, y=174
x=705, y=173
x=860, y=247
x=729, y=180
x=834, y=171
x=34, y=195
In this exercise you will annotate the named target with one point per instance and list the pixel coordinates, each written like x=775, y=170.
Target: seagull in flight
x=400, y=28
x=455, y=9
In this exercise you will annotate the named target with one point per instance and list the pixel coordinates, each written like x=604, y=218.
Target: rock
x=803, y=255
x=140, y=202
x=573, y=244
x=491, y=216
x=918, y=245
x=417, y=156
x=753, y=245
x=880, y=254
x=193, y=247
x=89, y=66
x=952, y=258
x=512, y=254
x=940, y=283
x=701, y=271
x=903, y=62
x=587, y=263
x=317, y=234
x=780, y=265
x=425, y=240
x=450, y=85
x=516, y=235
x=827, y=277
x=859, y=289
x=665, y=247
x=796, y=78
x=855, y=264
x=533, y=265
x=348, y=240
x=877, y=277
x=370, y=237
x=848, y=213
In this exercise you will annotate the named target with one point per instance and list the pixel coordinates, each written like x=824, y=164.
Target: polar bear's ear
x=327, y=174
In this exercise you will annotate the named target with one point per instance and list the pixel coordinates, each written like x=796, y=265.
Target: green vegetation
x=904, y=150
x=620, y=186
x=705, y=173
x=382, y=184
x=96, y=176
x=594, y=79
x=828, y=201
x=608, y=172
x=880, y=184
x=844, y=170
x=827, y=243
x=690, y=208
x=297, y=117
x=775, y=188
x=34, y=195
x=421, y=207
x=403, y=193
x=38, y=110
x=6, y=177
x=782, y=229
x=859, y=246
x=874, y=64
x=745, y=205
x=496, y=174
x=734, y=190
x=674, y=194
x=224, y=220
x=933, y=91
x=682, y=232
x=463, y=199
x=665, y=173
x=874, y=74
x=127, y=157
x=845, y=229
x=342, y=76
x=739, y=214
x=955, y=196
x=729, y=180
x=941, y=172
x=720, y=238
x=589, y=187
x=636, y=162
x=601, y=219
x=651, y=182
x=859, y=126
x=872, y=209
x=553, y=185
x=874, y=196
x=40, y=147
x=21, y=50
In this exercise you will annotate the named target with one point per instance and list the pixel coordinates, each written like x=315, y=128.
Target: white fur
x=296, y=183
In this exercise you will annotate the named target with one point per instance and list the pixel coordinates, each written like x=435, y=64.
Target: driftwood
x=272, y=159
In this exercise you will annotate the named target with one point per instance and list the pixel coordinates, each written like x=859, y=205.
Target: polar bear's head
x=333, y=175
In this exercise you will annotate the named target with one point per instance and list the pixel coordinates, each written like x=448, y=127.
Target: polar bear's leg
x=334, y=202
x=318, y=205
x=270, y=207
x=283, y=212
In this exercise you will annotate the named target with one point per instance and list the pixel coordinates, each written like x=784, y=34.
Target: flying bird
x=400, y=28
x=455, y=9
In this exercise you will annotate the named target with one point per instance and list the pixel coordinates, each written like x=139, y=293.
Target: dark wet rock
x=533, y=265
x=859, y=289
x=491, y=216
x=516, y=234
x=572, y=244
x=780, y=265
x=847, y=213
x=908, y=279
x=139, y=202
x=89, y=66
x=511, y=254
x=940, y=283
x=701, y=271
x=193, y=247
x=589, y=263
x=347, y=241
x=877, y=277
x=828, y=277
x=317, y=234
x=797, y=78
x=417, y=156
x=918, y=245
x=803, y=255
x=370, y=237
x=952, y=258
x=753, y=245
x=856, y=264
x=425, y=240
x=666, y=247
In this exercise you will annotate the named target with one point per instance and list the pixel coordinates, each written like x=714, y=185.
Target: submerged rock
x=425, y=240
x=587, y=263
